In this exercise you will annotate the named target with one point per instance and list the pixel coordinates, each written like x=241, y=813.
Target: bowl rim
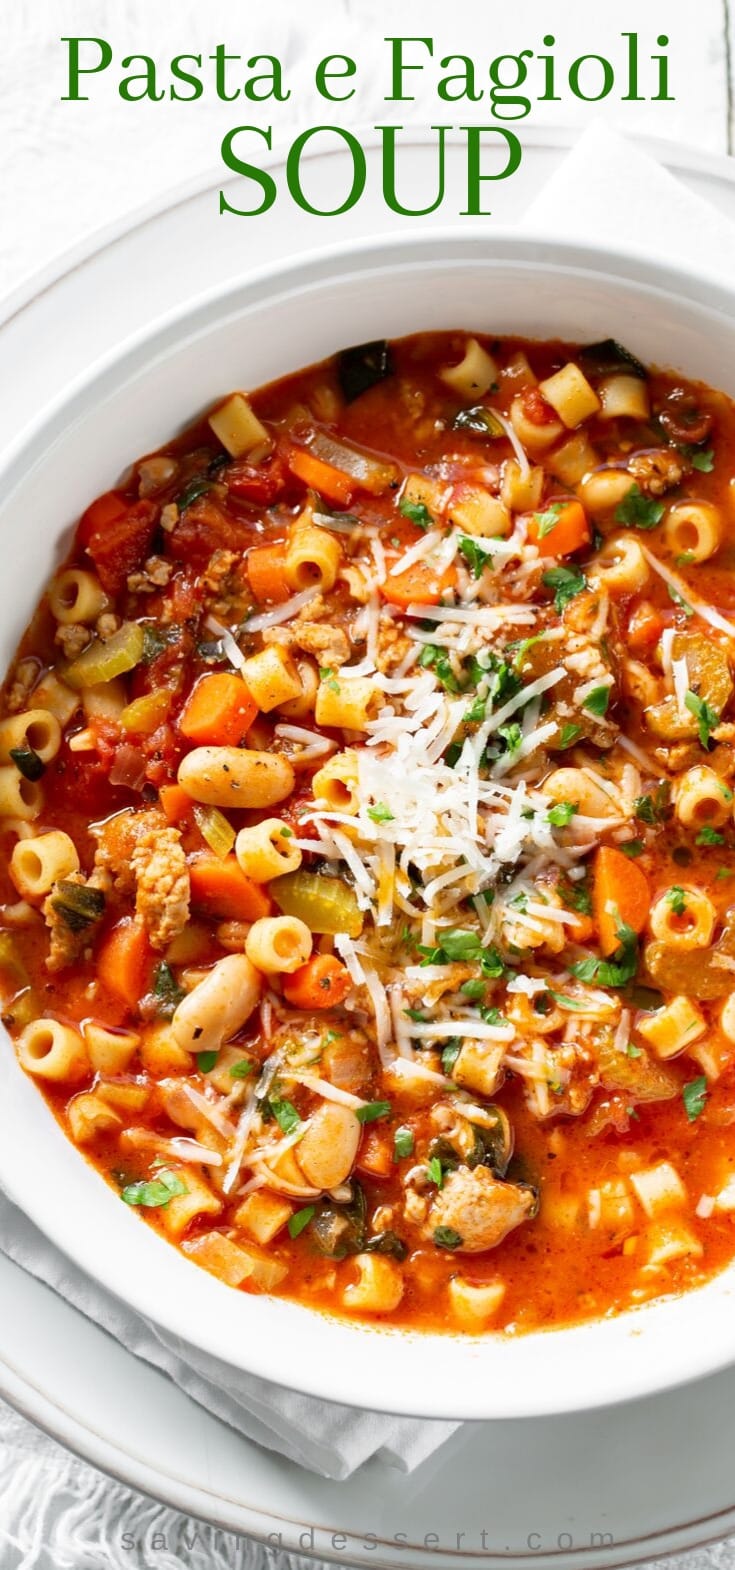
x=624, y=1379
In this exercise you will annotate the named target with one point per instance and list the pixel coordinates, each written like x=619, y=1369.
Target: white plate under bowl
x=244, y=335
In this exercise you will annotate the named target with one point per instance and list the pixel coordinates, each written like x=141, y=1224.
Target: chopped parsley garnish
x=457, y=945
x=380, y=813
x=166, y=991
x=372, y=1111
x=473, y=989
x=512, y=735
x=678, y=599
x=561, y=814
x=701, y=459
x=416, y=512
x=694, y=1096
x=597, y=701
x=632, y=1051
x=436, y=1171
x=432, y=657
x=707, y=719
x=578, y=897
x=476, y=712
x=241, y=1069
x=639, y=511
x=285, y=1115
x=548, y=520
x=326, y=674
x=446, y=1237
x=403, y=1143
x=196, y=487
x=475, y=554
x=617, y=970
x=156, y=1192
x=450, y=1054
x=566, y=583
x=654, y=808
x=676, y=898
x=632, y=847
x=206, y=1061
x=709, y=836
x=568, y=734
x=565, y=1002
x=300, y=1219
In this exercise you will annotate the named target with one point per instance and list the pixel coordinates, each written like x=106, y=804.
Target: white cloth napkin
x=607, y=188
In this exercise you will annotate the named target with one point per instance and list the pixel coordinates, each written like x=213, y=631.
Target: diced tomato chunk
x=119, y=541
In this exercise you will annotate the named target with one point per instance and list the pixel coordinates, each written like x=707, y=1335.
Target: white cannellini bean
x=217, y=1008
x=236, y=777
x=327, y=1151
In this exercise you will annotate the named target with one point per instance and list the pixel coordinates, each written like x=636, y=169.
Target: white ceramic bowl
x=245, y=336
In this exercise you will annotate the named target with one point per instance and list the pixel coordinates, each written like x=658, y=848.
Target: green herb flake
x=566, y=583
x=446, y=1237
x=241, y=1069
x=597, y=701
x=709, y=836
x=654, y=808
x=154, y=1193
x=206, y=1061
x=694, y=1096
x=701, y=459
x=548, y=520
x=568, y=735
x=473, y=989
x=166, y=991
x=372, y=1111
x=326, y=674
x=678, y=599
x=632, y=1051
x=300, y=1219
x=416, y=512
x=450, y=1054
x=707, y=719
x=380, y=813
x=285, y=1115
x=561, y=814
x=617, y=970
x=676, y=898
x=639, y=511
x=403, y=1143
x=475, y=554
x=632, y=848
x=436, y=1171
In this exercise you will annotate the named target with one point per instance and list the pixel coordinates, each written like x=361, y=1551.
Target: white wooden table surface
x=67, y=169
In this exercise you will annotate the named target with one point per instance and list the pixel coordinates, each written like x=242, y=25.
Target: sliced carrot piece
x=420, y=584
x=176, y=803
x=266, y=570
x=620, y=894
x=123, y=961
x=331, y=483
x=219, y=711
x=375, y=1156
x=219, y=888
x=319, y=984
x=569, y=532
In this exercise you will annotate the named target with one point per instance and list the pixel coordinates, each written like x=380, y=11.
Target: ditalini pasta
x=367, y=904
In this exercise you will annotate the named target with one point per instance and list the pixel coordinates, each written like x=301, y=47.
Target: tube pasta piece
x=534, y=435
x=379, y=1287
x=36, y=864
x=521, y=491
x=89, y=1116
x=673, y=1028
x=624, y=398
x=238, y=428
x=669, y=1240
x=110, y=1051
x=575, y=785
x=218, y=1007
x=477, y=512
x=313, y=558
x=347, y=703
x=693, y=530
x=620, y=567
x=263, y=1215
x=659, y=1189
x=574, y=459
x=475, y=374
x=683, y=918
x=236, y=777
x=19, y=798
x=302, y=705
x=53, y=694
x=266, y=850
x=36, y=730
x=76, y=596
x=570, y=394
x=197, y=1200
x=272, y=677
x=474, y=1303
x=50, y=1050
x=278, y=944
x=702, y=797
x=337, y=783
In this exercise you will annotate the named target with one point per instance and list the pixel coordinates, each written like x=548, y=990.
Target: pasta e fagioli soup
x=368, y=844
